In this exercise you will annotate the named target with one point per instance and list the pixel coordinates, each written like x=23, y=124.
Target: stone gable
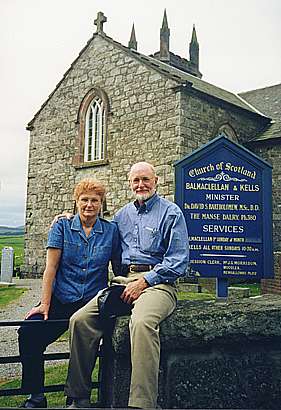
x=142, y=125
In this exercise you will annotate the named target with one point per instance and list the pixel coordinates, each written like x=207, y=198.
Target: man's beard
x=143, y=197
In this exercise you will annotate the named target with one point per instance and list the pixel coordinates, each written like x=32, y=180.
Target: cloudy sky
x=239, y=51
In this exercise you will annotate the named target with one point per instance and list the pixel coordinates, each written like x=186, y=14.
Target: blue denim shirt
x=83, y=268
x=154, y=234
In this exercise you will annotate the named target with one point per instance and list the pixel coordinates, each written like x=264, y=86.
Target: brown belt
x=140, y=268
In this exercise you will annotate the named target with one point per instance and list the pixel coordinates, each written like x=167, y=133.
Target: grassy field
x=9, y=294
x=255, y=288
x=53, y=375
x=16, y=242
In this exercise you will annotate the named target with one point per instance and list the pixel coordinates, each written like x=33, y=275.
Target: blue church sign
x=224, y=191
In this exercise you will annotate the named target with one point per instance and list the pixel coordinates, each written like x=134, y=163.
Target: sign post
x=224, y=191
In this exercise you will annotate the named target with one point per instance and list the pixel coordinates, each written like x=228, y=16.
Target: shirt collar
x=148, y=204
x=77, y=226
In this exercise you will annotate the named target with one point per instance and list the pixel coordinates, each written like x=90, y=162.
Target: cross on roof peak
x=99, y=21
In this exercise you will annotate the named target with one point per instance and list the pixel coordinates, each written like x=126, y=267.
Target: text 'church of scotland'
x=115, y=106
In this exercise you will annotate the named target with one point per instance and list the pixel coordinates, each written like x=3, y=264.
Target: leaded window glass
x=95, y=131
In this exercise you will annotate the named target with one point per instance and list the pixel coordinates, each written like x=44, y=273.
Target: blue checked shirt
x=83, y=268
x=154, y=234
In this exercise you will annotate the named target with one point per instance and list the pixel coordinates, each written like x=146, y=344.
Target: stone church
x=115, y=106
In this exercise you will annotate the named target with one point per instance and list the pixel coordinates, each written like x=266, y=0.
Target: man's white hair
x=141, y=164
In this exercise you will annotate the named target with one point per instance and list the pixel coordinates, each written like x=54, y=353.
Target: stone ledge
x=213, y=355
x=196, y=322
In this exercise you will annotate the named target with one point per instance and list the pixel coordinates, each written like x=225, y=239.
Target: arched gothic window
x=95, y=131
x=92, y=129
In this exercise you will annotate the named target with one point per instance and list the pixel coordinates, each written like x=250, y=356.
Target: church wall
x=142, y=125
x=201, y=120
x=271, y=152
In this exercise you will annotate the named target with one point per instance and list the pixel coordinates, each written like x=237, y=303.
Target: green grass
x=64, y=337
x=16, y=242
x=255, y=288
x=53, y=375
x=9, y=294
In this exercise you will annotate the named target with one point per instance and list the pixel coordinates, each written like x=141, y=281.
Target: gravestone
x=7, y=264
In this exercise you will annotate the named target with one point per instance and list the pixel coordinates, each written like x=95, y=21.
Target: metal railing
x=46, y=357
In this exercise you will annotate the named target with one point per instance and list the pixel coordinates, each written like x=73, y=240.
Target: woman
x=78, y=253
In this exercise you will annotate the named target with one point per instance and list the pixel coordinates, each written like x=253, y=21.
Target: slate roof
x=182, y=77
x=197, y=83
x=268, y=100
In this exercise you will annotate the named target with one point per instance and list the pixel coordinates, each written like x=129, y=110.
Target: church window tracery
x=92, y=129
x=95, y=131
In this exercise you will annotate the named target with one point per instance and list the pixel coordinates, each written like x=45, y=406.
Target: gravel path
x=16, y=311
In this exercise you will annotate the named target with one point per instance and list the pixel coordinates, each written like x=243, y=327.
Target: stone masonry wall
x=201, y=120
x=141, y=126
x=273, y=286
x=214, y=355
x=271, y=153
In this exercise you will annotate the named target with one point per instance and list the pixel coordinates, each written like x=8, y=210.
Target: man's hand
x=42, y=309
x=133, y=290
x=66, y=215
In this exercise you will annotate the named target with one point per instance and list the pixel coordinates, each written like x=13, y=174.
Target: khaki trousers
x=150, y=309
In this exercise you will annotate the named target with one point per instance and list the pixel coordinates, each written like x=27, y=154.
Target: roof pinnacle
x=165, y=21
x=194, y=49
x=165, y=39
x=194, y=36
x=133, y=42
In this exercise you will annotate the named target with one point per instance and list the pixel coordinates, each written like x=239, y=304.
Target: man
x=155, y=254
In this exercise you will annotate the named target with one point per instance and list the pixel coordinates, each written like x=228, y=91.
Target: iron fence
x=46, y=357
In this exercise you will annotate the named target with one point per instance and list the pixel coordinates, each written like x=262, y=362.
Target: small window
x=95, y=131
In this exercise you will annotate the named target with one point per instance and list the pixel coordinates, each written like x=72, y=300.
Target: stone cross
x=99, y=22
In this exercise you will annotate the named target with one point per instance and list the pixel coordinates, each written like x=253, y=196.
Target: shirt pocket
x=71, y=252
x=150, y=239
x=101, y=254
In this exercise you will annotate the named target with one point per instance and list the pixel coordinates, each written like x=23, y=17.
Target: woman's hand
x=42, y=309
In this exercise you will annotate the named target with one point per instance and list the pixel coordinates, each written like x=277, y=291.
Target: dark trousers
x=33, y=340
